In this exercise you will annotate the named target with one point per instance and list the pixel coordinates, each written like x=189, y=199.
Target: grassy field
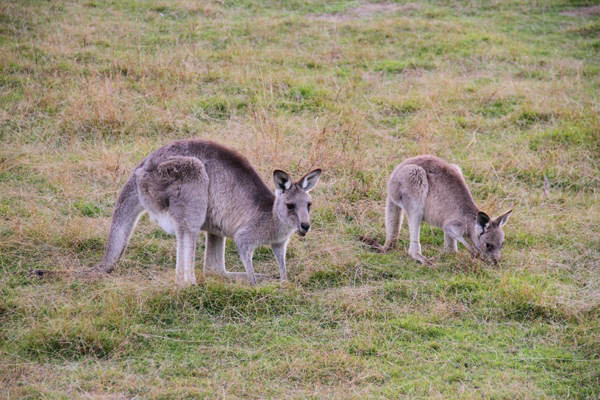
x=510, y=90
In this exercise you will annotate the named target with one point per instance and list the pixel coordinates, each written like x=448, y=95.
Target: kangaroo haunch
x=429, y=189
x=189, y=186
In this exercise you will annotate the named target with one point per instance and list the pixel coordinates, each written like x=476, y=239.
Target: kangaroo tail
x=54, y=274
x=127, y=212
x=372, y=243
x=45, y=273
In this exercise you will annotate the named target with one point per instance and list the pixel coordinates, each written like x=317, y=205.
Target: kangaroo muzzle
x=304, y=228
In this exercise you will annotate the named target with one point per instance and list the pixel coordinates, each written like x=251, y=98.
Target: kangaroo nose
x=305, y=226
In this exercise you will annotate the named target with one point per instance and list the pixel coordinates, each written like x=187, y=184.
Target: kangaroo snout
x=304, y=228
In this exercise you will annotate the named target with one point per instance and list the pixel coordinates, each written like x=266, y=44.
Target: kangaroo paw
x=477, y=255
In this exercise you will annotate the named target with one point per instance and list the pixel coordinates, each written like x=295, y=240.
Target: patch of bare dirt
x=372, y=8
x=331, y=17
x=364, y=11
x=583, y=11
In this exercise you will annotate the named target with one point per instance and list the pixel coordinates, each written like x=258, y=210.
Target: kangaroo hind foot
x=243, y=276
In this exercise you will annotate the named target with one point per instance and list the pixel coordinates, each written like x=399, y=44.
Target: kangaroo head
x=292, y=201
x=489, y=237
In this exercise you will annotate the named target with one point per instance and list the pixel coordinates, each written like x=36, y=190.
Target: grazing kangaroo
x=426, y=188
x=193, y=185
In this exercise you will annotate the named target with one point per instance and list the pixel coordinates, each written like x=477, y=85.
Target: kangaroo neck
x=278, y=218
x=279, y=230
x=470, y=220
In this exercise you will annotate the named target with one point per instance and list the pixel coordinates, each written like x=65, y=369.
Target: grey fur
x=428, y=189
x=190, y=186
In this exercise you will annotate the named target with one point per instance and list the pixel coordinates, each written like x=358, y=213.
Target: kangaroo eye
x=309, y=206
x=290, y=206
x=489, y=246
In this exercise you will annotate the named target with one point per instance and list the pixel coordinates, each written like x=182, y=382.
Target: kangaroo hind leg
x=176, y=195
x=414, y=227
x=393, y=222
x=409, y=188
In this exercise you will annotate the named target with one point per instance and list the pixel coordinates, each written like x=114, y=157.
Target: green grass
x=508, y=90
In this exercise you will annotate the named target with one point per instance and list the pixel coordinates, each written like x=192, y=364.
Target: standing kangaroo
x=193, y=185
x=426, y=188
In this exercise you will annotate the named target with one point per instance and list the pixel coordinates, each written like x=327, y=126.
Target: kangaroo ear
x=282, y=180
x=483, y=221
x=503, y=219
x=309, y=180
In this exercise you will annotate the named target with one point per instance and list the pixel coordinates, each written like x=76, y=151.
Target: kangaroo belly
x=435, y=216
x=164, y=220
x=222, y=223
x=215, y=229
x=442, y=206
